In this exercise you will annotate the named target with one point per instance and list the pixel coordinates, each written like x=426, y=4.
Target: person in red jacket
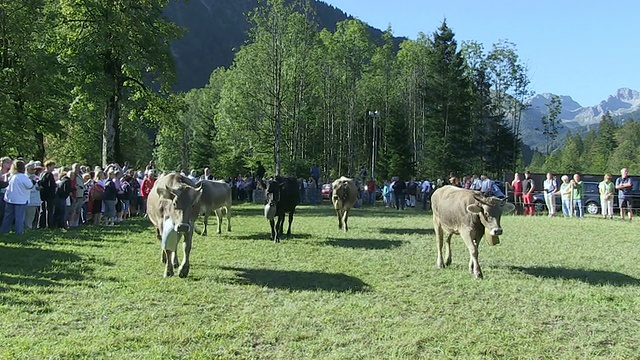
x=146, y=186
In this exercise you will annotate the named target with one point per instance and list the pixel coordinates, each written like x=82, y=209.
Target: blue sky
x=584, y=49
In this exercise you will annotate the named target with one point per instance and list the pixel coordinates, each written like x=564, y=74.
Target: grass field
x=554, y=289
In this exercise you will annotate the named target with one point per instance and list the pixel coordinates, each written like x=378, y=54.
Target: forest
x=90, y=82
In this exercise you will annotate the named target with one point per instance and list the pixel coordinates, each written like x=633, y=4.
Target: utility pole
x=374, y=116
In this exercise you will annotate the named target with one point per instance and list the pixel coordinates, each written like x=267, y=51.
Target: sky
x=585, y=49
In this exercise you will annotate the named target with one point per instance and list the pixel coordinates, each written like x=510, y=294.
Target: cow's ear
x=475, y=208
x=507, y=208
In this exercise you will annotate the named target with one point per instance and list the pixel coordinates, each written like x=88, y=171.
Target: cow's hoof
x=448, y=262
x=183, y=272
x=478, y=276
x=440, y=266
x=168, y=274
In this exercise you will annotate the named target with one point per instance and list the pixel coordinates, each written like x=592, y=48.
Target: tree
x=114, y=49
x=34, y=95
x=550, y=121
x=448, y=122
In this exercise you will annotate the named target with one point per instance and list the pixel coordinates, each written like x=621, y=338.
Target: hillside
x=215, y=29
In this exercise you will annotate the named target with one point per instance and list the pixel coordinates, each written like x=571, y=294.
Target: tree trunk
x=110, y=130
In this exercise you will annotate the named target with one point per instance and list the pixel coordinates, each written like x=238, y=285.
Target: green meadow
x=554, y=288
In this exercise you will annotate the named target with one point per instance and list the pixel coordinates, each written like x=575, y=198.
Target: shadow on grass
x=370, y=244
x=298, y=280
x=591, y=277
x=395, y=231
x=267, y=236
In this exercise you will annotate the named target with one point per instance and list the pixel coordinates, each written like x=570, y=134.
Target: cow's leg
x=227, y=210
x=447, y=250
x=474, y=266
x=219, y=217
x=206, y=221
x=183, y=271
x=273, y=230
x=168, y=267
x=290, y=221
x=345, y=218
x=439, y=240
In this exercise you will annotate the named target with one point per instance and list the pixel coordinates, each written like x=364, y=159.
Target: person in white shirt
x=16, y=198
x=550, y=187
x=425, y=188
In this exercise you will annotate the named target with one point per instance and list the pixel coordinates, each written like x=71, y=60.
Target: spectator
x=399, y=191
x=426, y=193
x=550, y=187
x=63, y=191
x=516, y=185
x=624, y=185
x=77, y=195
x=16, y=197
x=578, y=192
x=606, y=190
x=412, y=191
x=145, y=188
x=110, y=198
x=47, y=195
x=371, y=190
x=315, y=173
x=6, y=163
x=528, y=187
x=454, y=180
x=566, y=191
x=96, y=196
x=386, y=193
x=312, y=190
x=485, y=185
x=31, y=219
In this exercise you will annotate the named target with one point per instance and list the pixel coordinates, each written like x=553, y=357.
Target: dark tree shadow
x=407, y=231
x=370, y=244
x=591, y=277
x=297, y=280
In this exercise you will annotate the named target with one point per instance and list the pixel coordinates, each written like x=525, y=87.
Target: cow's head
x=490, y=209
x=272, y=192
x=183, y=205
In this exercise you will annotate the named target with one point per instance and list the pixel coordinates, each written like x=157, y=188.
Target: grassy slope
x=555, y=288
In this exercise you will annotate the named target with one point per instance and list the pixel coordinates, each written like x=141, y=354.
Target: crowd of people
x=571, y=192
x=37, y=195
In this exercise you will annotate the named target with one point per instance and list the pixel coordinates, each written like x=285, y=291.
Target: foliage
x=294, y=96
x=374, y=292
x=606, y=149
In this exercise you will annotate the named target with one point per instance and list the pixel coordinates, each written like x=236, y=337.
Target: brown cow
x=470, y=214
x=216, y=196
x=174, y=197
x=345, y=194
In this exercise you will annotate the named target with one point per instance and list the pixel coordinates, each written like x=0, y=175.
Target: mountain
x=215, y=30
x=623, y=105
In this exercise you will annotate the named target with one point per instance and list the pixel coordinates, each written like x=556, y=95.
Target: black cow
x=282, y=192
